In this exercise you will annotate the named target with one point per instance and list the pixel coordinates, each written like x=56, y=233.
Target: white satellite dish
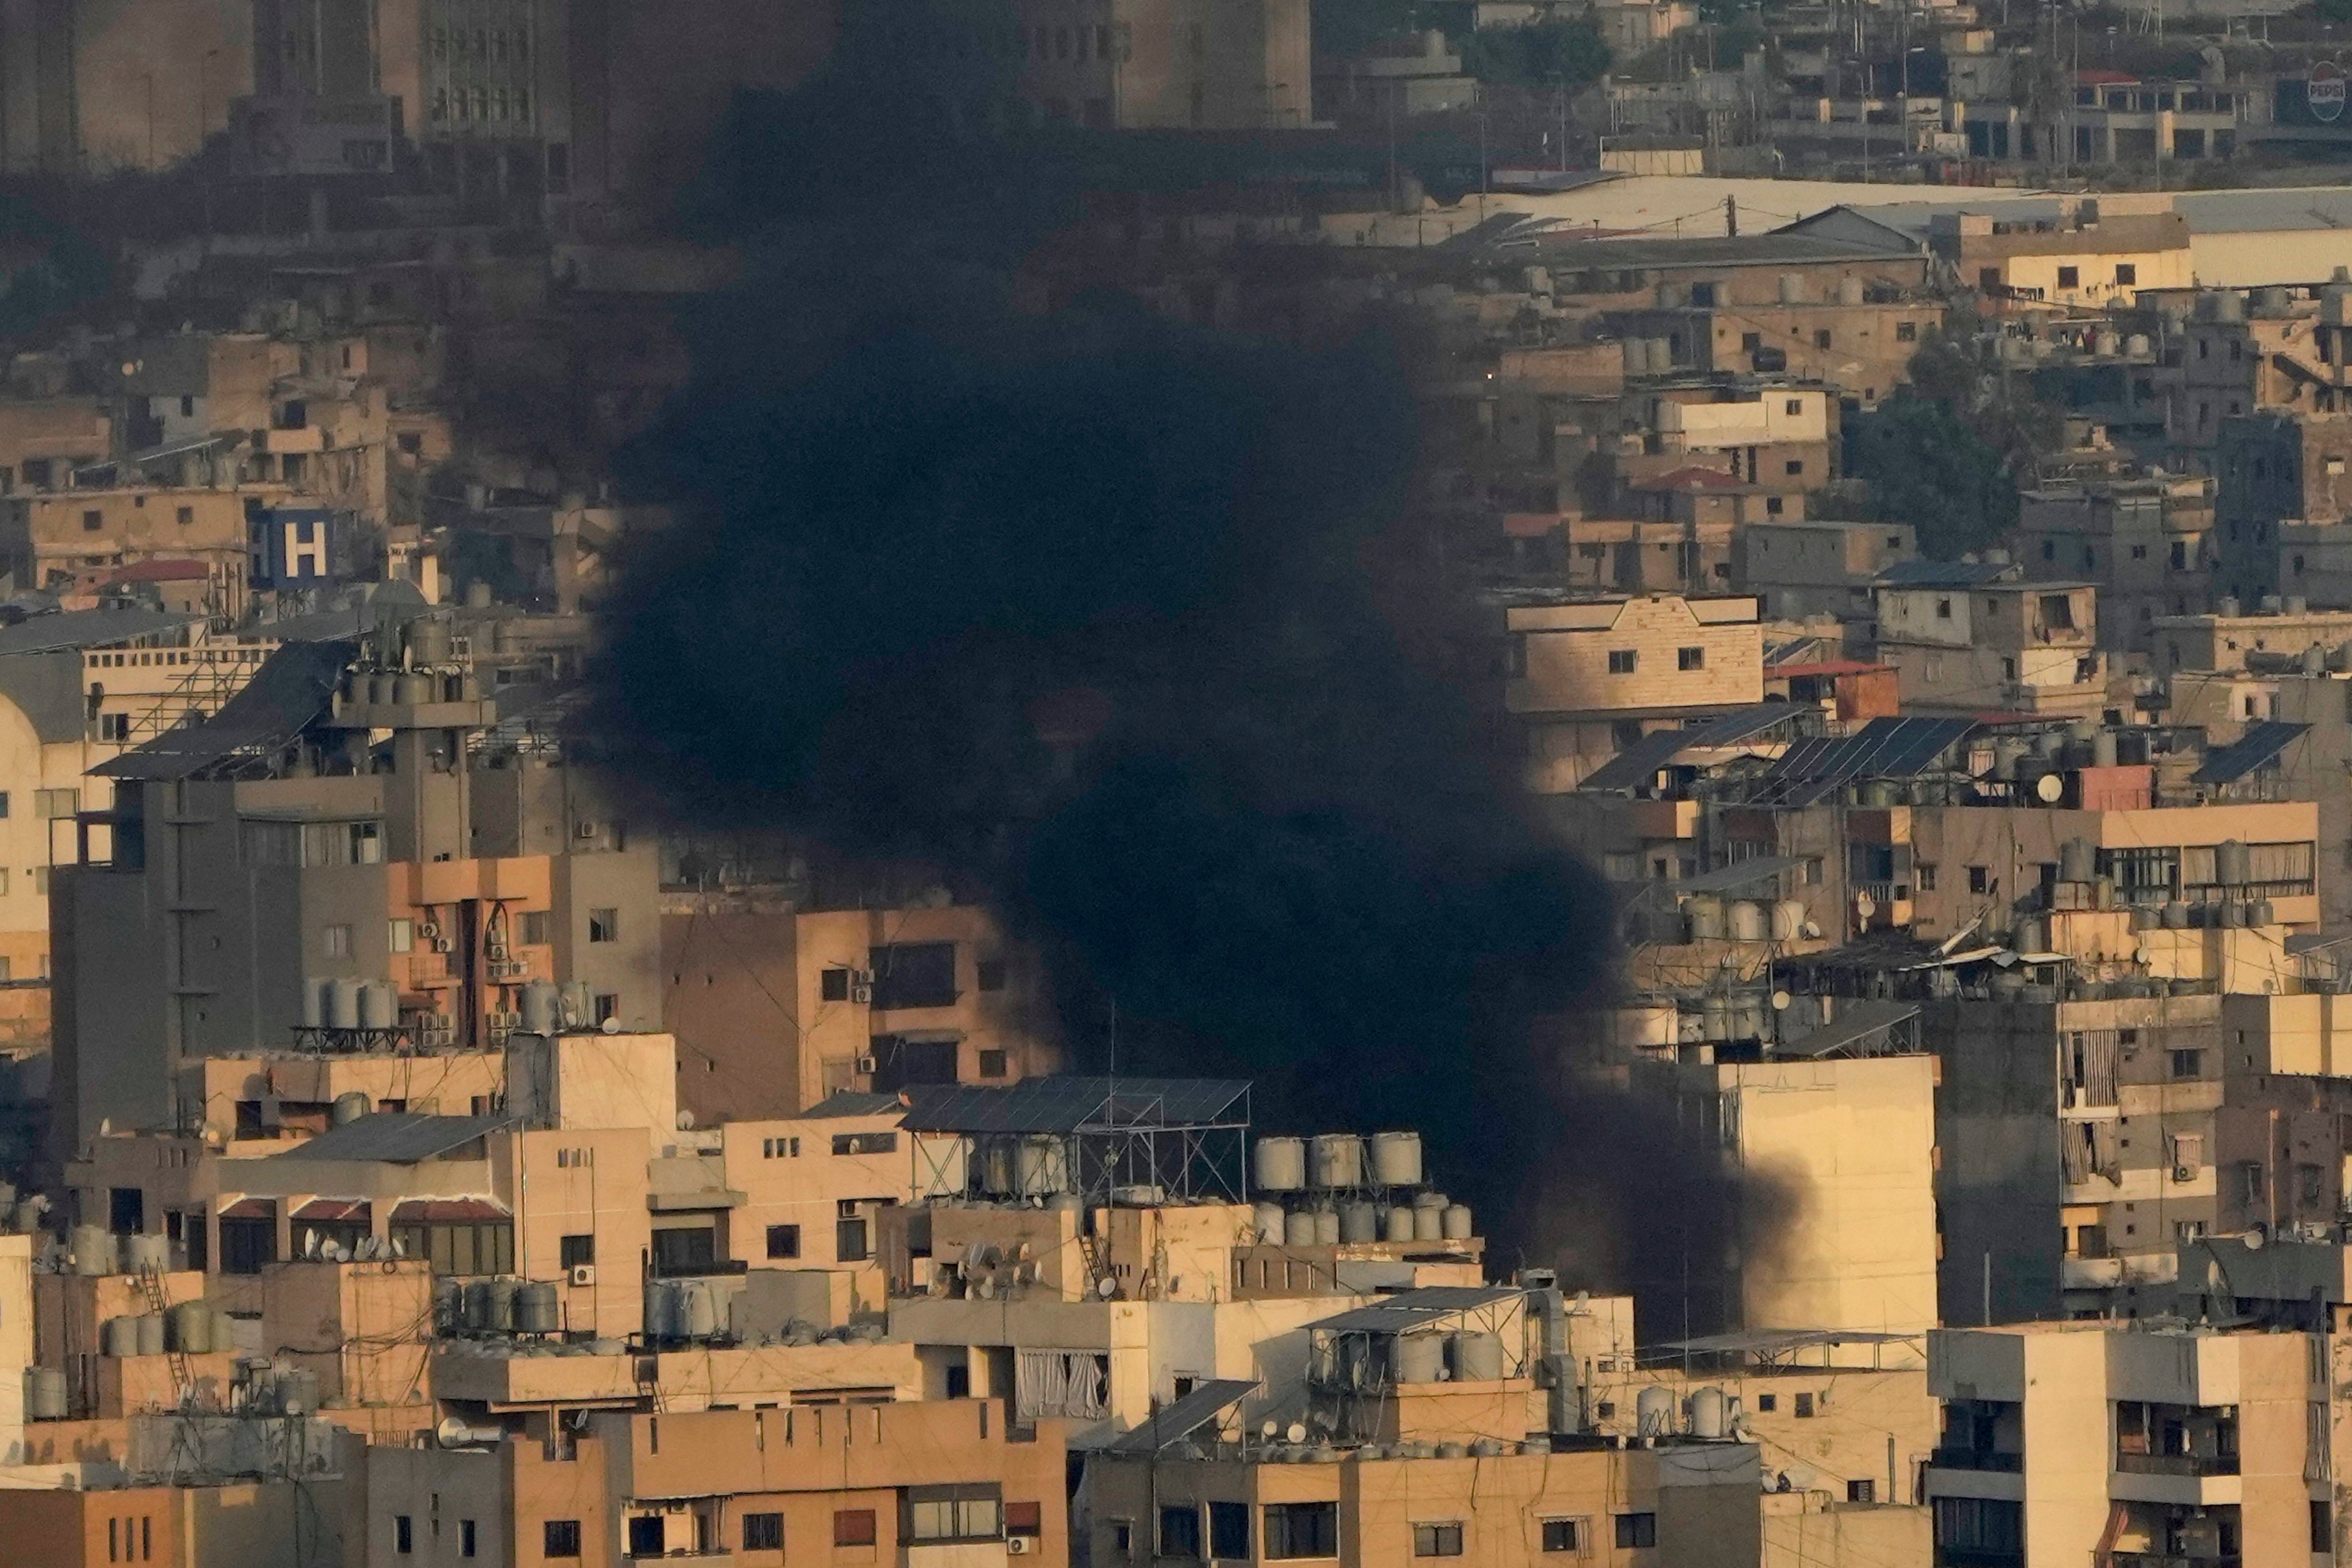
x=1780, y=1000
x=2047, y=789
x=1296, y=1433
x=1106, y=1287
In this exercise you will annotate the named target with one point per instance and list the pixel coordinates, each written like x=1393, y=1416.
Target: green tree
x=1351, y=27
x=1535, y=56
x=1926, y=467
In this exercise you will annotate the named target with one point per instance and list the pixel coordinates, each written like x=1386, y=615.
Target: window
x=1987, y=1525
x=991, y=1064
x=969, y=1513
x=647, y=1537
x=2070, y=278
x=2310, y=1186
x=1229, y=1532
x=1794, y=466
x=1563, y=1535
x=1907, y=331
x=1768, y=1403
x=604, y=925
x=91, y=522
x=403, y=935
x=1821, y=337
x=914, y=975
x=1621, y=660
x=1804, y=1407
x=2127, y=274
x=52, y=804
x=866, y=1142
x=1979, y=880
x=832, y=986
x=1943, y=609
x=2189, y=1064
x=337, y=941
x=465, y=1538
x=403, y=1534
x=1862, y=1492
x=2251, y=1183
x=575, y=1251
x=763, y=1532
x=783, y=1241
x=853, y=1527
x=1296, y=1530
x=537, y=928
x=991, y=973
x=605, y=1005
x=1437, y=1540
x=1702, y=295
x=1637, y=1530
x=1122, y=1537
x=1180, y=1534
x=849, y=1240
x=1690, y=658
x=2322, y=1527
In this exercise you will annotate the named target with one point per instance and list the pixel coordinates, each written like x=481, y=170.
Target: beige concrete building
x=943, y=1479
x=1169, y=65
x=2066, y=1440
x=2145, y=544
x=60, y=534
x=2102, y=249
x=1589, y=678
x=1797, y=569
x=1971, y=638
x=776, y=1010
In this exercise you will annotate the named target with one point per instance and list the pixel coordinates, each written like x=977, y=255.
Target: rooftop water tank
x=45, y=1393
x=1396, y=1223
x=379, y=1004
x=2232, y=863
x=1456, y=1223
x=350, y=1106
x=537, y=1309
x=1420, y=1358
x=1654, y=1412
x=1477, y=1357
x=1298, y=1228
x=342, y=1004
x=1336, y=1159
x=1267, y=1220
x=1327, y=1228
x=149, y=1327
x=1281, y=1164
x=1360, y=1221
x=1396, y=1159
x=188, y=1328
x=93, y=1250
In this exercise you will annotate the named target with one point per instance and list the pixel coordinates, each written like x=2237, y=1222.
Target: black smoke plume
x=1116, y=621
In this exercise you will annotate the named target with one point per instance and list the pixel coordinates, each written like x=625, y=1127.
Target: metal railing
x=1976, y=1460
x=2175, y=1464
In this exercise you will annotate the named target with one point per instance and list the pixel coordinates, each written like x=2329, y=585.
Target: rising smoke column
x=1104, y=615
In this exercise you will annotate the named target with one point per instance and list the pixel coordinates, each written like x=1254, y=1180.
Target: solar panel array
x=1883, y=749
x=2258, y=745
x=1635, y=766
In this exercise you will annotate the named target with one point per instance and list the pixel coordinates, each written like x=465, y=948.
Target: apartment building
x=44, y=441
x=775, y=1011
x=1629, y=555
x=1844, y=340
x=54, y=535
x=1971, y=636
x=877, y=1482
x=1167, y=65
x=1798, y=568
x=2067, y=1440
x=2097, y=250
x=1838, y=1155
x=371, y=870
x=2240, y=354
x=2145, y=544
x=2274, y=468
x=1589, y=678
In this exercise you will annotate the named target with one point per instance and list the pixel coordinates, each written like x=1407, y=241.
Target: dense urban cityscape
x=1175, y=782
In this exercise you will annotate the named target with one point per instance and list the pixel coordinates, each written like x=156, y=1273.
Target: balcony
x=2175, y=1464
x=1976, y=1460
x=2172, y=1560
x=2090, y=1273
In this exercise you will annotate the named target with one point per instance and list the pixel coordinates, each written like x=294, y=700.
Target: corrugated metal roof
x=1072, y=1104
x=396, y=1137
x=2260, y=744
x=850, y=1102
x=1742, y=874
x=290, y=690
x=1638, y=763
x=87, y=629
x=1416, y=1309
x=1186, y=1415
x=1857, y=1019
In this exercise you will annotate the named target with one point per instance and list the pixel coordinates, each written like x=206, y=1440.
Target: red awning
x=331, y=1211
x=251, y=1208
x=448, y=1211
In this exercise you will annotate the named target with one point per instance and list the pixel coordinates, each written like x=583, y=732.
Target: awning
x=333, y=1211
x=251, y=1208
x=1186, y=1415
x=448, y=1211
x=1858, y=1019
x=1738, y=874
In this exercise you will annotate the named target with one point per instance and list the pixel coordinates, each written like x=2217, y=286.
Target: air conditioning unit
x=2184, y=1173
x=429, y=931
x=583, y=830
x=867, y=1065
x=1019, y=1545
x=862, y=994
x=861, y=977
x=583, y=1274
x=498, y=949
x=443, y=944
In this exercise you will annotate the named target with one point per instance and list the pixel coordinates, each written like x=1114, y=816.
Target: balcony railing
x=2171, y=1560
x=1976, y=1460
x=2176, y=1464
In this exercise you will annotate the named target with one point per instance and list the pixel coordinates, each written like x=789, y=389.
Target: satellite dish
x=686, y=1122
x=333, y=1251
x=1106, y=1287
x=2047, y=789
x=1296, y=1433
x=984, y=1287
x=611, y=1026
x=2256, y=1237
x=1865, y=906
x=399, y=1246
x=309, y=1243
x=1780, y=1000
x=1267, y=1429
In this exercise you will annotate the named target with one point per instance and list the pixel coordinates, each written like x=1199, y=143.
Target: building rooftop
x=397, y=1137
x=293, y=687
x=1409, y=1310
x=88, y=628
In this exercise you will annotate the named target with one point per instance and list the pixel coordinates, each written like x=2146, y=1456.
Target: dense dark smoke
x=1114, y=620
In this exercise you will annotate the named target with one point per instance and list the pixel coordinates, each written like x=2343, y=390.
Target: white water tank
x=1281, y=1164
x=1327, y=1228
x=1749, y=921
x=342, y=1004
x=1788, y=921
x=1709, y=1416
x=1396, y=1223
x=1456, y=1223
x=1298, y=1228
x=1268, y=1218
x=141, y=1251
x=1654, y=1412
x=1396, y=1159
x=1336, y=1159
x=93, y=1250
x=379, y=1004
x=1420, y=1358
x=1477, y=1357
x=1360, y=1221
